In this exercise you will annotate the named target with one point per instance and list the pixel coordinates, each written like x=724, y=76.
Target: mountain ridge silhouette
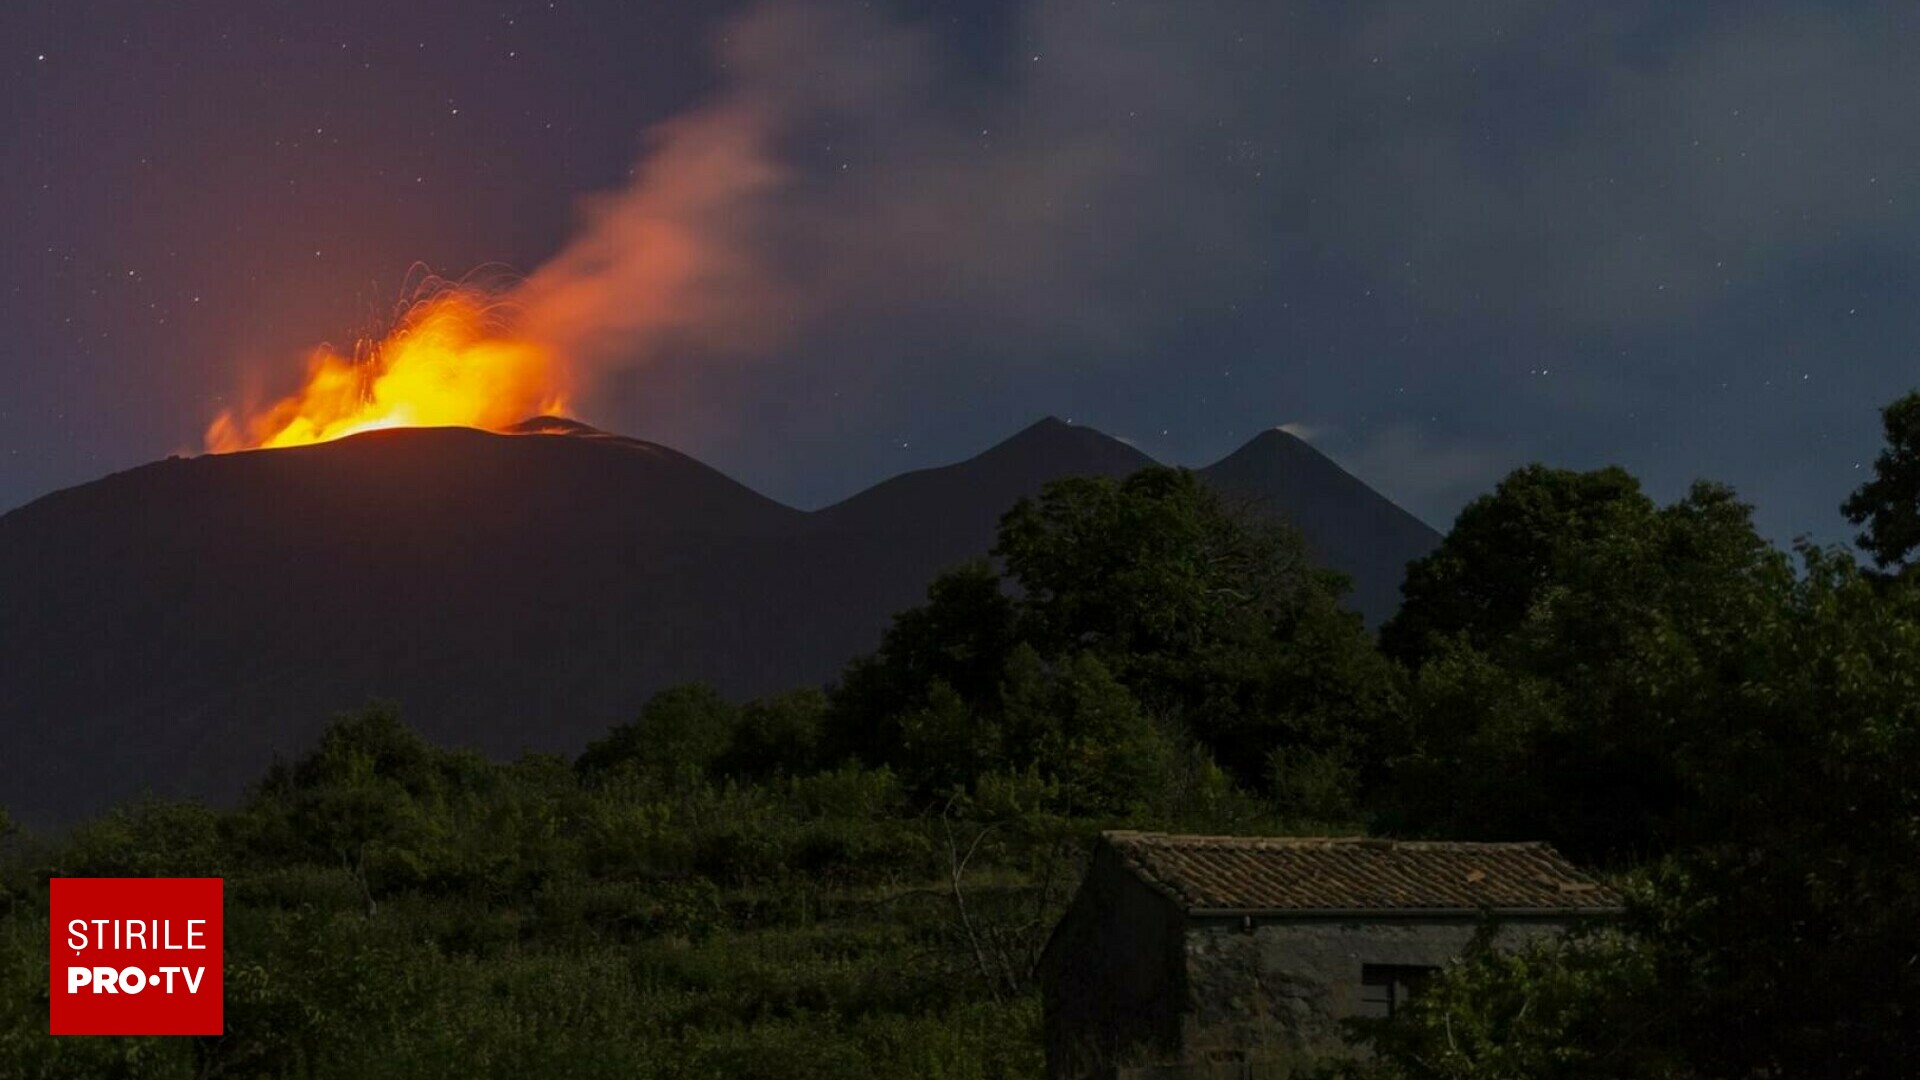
x=175, y=627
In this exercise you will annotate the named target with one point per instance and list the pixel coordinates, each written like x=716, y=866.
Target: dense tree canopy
x=1584, y=1009
x=1889, y=504
x=1776, y=714
x=958, y=640
x=1505, y=550
x=1784, y=922
x=1183, y=616
x=681, y=731
x=1566, y=635
x=1775, y=935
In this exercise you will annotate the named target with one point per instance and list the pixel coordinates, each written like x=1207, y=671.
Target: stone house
x=1217, y=956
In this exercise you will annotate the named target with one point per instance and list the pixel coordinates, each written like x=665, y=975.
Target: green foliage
x=1570, y=635
x=777, y=736
x=148, y=838
x=681, y=732
x=27, y=1051
x=943, y=743
x=1656, y=684
x=860, y=882
x=958, y=640
x=1775, y=937
x=1785, y=924
x=1147, y=567
x=399, y=910
x=1077, y=725
x=1504, y=550
x=395, y=909
x=1143, y=616
x=393, y=811
x=1889, y=504
x=1579, y=1009
x=1217, y=622
x=1467, y=767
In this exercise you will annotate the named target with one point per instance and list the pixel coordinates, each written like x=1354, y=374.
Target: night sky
x=1438, y=240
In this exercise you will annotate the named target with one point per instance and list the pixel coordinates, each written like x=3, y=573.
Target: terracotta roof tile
x=1242, y=873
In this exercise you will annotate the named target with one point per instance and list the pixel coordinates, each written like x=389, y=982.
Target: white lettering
x=193, y=979
x=133, y=980
x=131, y=934
x=106, y=981
x=78, y=977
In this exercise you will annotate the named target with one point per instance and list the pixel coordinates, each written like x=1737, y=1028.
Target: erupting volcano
x=452, y=359
x=673, y=265
x=175, y=627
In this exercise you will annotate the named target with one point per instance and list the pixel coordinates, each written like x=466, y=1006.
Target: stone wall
x=1113, y=975
x=1277, y=990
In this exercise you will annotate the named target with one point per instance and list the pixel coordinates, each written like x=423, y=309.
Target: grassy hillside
x=397, y=910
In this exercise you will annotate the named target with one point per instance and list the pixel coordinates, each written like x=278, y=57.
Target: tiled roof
x=1243, y=873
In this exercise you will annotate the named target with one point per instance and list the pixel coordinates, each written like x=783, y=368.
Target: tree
x=944, y=743
x=1217, y=622
x=681, y=731
x=1081, y=730
x=959, y=639
x=1889, y=504
x=1147, y=608
x=775, y=736
x=1504, y=550
x=1776, y=939
x=1783, y=927
x=357, y=798
x=1578, y=1009
x=1569, y=636
x=1156, y=566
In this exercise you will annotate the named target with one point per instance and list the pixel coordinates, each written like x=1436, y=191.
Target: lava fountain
x=451, y=359
x=675, y=263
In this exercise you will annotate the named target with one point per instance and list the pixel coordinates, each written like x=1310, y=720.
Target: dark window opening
x=1386, y=988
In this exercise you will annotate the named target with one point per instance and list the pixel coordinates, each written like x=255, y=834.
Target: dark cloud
x=837, y=179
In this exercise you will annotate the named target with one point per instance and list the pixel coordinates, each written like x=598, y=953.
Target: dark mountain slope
x=885, y=544
x=175, y=626
x=964, y=501
x=1350, y=526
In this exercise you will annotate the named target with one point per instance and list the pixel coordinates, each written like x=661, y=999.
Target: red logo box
x=136, y=956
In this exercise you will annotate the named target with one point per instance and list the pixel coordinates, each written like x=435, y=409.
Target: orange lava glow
x=452, y=361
